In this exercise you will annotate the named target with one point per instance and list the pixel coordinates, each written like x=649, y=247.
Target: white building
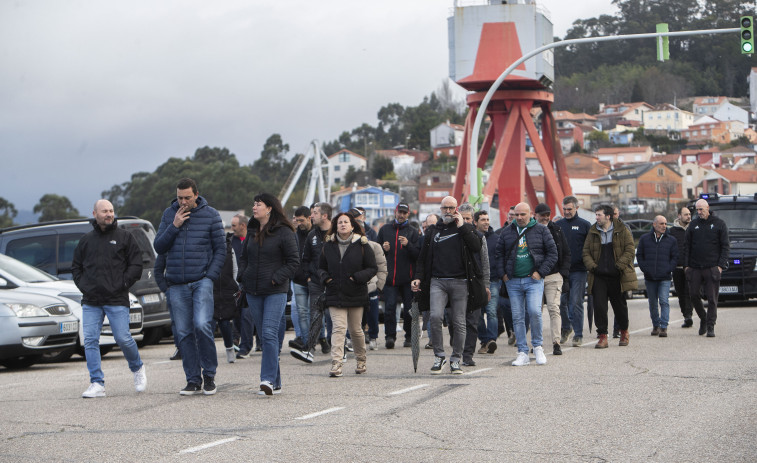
x=446, y=134
x=340, y=162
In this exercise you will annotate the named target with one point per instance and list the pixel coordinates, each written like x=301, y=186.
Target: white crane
x=315, y=180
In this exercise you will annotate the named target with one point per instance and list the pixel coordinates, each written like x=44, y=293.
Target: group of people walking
x=461, y=270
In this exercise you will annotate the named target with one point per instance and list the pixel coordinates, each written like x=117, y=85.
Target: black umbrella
x=415, y=332
x=590, y=311
x=316, y=321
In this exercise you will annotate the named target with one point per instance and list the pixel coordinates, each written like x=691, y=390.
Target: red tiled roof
x=738, y=176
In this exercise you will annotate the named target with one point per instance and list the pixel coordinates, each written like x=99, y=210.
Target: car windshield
x=23, y=271
x=738, y=218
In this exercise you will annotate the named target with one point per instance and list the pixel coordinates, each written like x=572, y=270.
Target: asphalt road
x=681, y=398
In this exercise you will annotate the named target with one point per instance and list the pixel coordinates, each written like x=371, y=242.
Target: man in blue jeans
x=657, y=255
x=575, y=230
x=488, y=328
x=526, y=253
x=192, y=238
x=300, y=280
x=106, y=262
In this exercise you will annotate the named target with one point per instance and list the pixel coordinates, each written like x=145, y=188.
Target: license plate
x=135, y=317
x=150, y=298
x=69, y=327
x=729, y=289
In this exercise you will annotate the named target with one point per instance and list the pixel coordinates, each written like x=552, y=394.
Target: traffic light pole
x=472, y=172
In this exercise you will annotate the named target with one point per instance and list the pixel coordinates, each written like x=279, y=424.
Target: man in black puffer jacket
x=107, y=261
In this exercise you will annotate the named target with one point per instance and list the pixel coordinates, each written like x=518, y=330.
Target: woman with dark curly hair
x=347, y=264
x=269, y=260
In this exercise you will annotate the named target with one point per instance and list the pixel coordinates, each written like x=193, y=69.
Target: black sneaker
x=208, y=385
x=390, y=343
x=176, y=355
x=687, y=323
x=243, y=355
x=702, y=327
x=296, y=343
x=616, y=334
x=468, y=363
x=407, y=344
x=556, y=350
x=191, y=389
x=325, y=346
x=455, y=369
x=710, y=331
x=302, y=354
x=439, y=362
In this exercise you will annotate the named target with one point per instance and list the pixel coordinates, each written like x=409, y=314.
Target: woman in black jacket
x=269, y=260
x=347, y=264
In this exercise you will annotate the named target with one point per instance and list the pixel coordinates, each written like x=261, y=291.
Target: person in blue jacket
x=657, y=255
x=192, y=239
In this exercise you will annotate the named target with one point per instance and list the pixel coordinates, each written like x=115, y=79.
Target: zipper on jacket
x=396, y=243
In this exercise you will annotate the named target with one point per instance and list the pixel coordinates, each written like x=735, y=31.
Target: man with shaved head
x=705, y=256
x=107, y=261
x=657, y=255
x=441, y=274
x=526, y=253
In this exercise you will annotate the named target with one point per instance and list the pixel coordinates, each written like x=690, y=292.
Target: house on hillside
x=633, y=154
x=718, y=107
x=639, y=188
x=341, y=161
x=737, y=156
x=582, y=169
x=446, y=136
x=378, y=202
x=609, y=115
x=666, y=118
x=406, y=163
x=709, y=130
x=729, y=182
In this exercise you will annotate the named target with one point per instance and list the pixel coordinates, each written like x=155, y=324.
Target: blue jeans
x=658, y=290
x=488, y=329
x=572, y=304
x=192, y=305
x=526, y=295
x=269, y=318
x=119, y=323
x=302, y=300
x=226, y=332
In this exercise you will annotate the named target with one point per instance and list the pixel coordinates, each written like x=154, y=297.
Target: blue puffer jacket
x=657, y=258
x=540, y=244
x=197, y=249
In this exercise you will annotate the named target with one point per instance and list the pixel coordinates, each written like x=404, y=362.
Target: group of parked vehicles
x=40, y=307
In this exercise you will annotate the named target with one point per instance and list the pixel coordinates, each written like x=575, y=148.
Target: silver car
x=32, y=324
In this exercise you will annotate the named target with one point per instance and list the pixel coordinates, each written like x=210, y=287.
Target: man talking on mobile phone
x=441, y=276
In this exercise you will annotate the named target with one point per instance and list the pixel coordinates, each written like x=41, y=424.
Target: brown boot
x=623, y=338
x=602, y=343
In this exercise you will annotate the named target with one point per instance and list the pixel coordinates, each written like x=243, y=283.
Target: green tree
x=9, y=213
x=381, y=165
x=55, y=207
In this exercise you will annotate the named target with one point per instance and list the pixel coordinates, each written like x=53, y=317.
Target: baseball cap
x=355, y=212
x=542, y=208
x=403, y=207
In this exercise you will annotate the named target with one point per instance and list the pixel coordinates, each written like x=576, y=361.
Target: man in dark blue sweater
x=657, y=254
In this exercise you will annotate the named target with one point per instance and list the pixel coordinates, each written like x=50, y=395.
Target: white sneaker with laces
x=541, y=359
x=521, y=360
x=94, y=390
x=230, y=355
x=140, y=379
x=373, y=345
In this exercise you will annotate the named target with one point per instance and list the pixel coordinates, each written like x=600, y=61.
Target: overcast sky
x=92, y=91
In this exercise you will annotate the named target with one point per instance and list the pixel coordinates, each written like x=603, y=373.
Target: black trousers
x=709, y=279
x=682, y=292
x=606, y=289
x=471, y=334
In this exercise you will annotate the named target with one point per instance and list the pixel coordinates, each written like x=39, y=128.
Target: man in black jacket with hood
x=107, y=261
x=400, y=243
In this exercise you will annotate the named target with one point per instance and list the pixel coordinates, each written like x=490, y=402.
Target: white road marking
x=207, y=446
x=164, y=361
x=476, y=371
x=409, y=389
x=322, y=412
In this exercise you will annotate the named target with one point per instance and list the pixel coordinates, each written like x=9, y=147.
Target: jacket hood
x=109, y=228
x=355, y=237
x=201, y=202
x=677, y=223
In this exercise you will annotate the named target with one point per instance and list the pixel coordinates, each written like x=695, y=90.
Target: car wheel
x=20, y=362
x=59, y=355
x=103, y=350
x=151, y=336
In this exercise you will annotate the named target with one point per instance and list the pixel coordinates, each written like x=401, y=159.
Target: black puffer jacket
x=268, y=268
x=311, y=253
x=224, y=305
x=349, y=274
x=301, y=276
x=106, y=264
x=400, y=260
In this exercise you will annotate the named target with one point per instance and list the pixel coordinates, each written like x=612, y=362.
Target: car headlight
x=73, y=296
x=28, y=310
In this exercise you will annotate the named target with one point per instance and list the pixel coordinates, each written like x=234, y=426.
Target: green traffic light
x=746, y=47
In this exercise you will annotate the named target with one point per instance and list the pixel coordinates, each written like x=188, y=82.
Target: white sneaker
x=140, y=379
x=372, y=345
x=230, y=355
x=522, y=359
x=94, y=390
x=541, y=359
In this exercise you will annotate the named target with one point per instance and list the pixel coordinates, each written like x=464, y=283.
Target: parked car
x=18, y=276
x=32, y=324
x=49, y=246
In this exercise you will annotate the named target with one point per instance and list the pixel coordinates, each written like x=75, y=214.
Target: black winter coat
x=106, y=264
x=400, y=260
x=301, y=276
x=224, y=305
x=706, y=244
x=349, y=274
x=657, y=258
x=268, y=268
x=311, y=253
x=563, y=250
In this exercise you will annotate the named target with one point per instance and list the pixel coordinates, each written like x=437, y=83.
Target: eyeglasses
x=448, y=208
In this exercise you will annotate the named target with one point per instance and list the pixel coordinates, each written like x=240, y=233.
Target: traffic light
x=747, y=35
